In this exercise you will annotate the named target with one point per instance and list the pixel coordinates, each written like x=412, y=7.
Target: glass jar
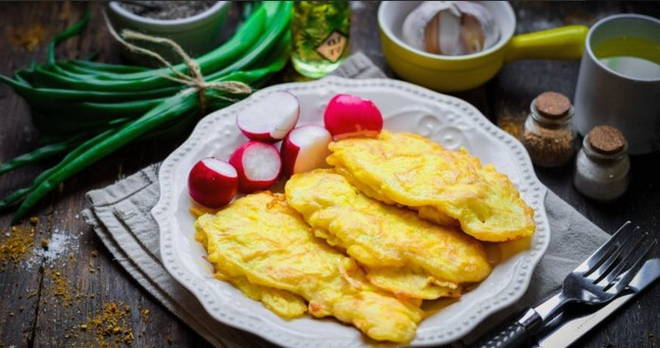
x=602, y=166
x=547, y=132
x=320, y=36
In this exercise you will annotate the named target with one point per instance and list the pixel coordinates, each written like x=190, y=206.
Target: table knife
x=571, y=329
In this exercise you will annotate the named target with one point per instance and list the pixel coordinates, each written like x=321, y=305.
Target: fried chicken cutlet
x=261, y=239
x=444, y=186
x=401, y=252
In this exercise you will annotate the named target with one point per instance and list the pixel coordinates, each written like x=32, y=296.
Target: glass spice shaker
x=602, y=165
x=547, y=133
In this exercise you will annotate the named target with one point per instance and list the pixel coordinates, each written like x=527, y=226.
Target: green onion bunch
x=86, y=110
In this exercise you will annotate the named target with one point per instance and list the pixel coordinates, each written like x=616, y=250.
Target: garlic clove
x=414, y=26
x=484, y=18
x=449, y=33
x=431, y=36
x=472, y=36
x=450, y=27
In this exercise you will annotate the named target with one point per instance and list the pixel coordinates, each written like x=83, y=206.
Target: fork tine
x=622, y=280
x=623, y=262
x=627, y=243
x=599, y=255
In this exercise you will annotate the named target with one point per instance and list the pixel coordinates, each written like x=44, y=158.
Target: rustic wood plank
x=20, y=281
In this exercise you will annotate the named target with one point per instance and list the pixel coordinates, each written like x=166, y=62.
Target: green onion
x=91, y=109
x=69, y=32
x=43, y=152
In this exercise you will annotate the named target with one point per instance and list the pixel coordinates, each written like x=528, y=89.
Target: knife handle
x=516, y=333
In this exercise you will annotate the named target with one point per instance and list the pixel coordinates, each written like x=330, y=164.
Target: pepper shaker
x=547, y=133
x=602, y=165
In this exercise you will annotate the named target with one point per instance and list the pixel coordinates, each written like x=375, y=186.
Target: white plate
x=405, y=107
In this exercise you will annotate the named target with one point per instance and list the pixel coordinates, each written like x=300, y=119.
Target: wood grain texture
x=19, y=283
x=41, y=317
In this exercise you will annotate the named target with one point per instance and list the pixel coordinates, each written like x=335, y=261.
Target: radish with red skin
x=258, y=165
x=212, y=182
x=271, y=118
x=304, y=149
x=350, y=116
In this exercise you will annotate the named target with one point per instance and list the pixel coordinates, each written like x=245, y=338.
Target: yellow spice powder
x=109, y=325
x=511, y=124
x=16, y=244
x=59, y=287
x=28, y=38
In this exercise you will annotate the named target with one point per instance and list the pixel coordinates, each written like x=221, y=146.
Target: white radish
x=350, y=116
x=212, y=182
x=271, y=118
x=304, y=149
x=258, y=165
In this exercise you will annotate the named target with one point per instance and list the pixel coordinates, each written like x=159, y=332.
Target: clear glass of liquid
x=320, y=36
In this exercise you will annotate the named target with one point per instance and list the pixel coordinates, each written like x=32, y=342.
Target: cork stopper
x=606, y=139
x=552, y=104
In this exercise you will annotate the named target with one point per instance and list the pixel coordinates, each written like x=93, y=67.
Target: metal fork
x=596, y=281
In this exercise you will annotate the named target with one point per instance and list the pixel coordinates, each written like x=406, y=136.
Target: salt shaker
x=547, y=133
x=602, y=165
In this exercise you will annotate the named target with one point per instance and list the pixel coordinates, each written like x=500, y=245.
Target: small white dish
x=405, y=107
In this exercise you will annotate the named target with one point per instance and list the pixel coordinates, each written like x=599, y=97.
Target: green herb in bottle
x=320, y=36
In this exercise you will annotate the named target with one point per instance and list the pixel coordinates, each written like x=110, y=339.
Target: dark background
x=33, y=311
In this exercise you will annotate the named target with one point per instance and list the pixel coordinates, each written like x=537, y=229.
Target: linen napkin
x=120, y=216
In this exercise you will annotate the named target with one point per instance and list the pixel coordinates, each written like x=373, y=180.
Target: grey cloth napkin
x=120, y=216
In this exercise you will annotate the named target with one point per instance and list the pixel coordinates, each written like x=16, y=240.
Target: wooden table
x=34, y=309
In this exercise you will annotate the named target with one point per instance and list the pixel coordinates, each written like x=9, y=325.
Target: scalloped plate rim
x=522, y=270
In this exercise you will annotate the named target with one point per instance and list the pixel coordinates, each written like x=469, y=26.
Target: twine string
x=195, y=79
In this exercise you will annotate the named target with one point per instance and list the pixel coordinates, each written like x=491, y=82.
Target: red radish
x=350, y=116
x=304, y=149
x=271, y=118
x=212, y=182
x=258, y=165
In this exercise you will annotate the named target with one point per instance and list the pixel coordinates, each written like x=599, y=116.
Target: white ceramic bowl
x=197, y=34
x=405, y=107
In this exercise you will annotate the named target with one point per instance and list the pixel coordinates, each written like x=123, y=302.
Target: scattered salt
x=57, y=245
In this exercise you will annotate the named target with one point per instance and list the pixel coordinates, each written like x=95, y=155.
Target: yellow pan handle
x=557, y=43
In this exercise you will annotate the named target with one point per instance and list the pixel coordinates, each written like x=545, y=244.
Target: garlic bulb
x=450, y=27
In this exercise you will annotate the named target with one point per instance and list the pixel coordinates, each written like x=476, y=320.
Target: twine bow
x=194, y=80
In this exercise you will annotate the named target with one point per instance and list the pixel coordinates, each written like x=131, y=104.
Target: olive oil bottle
x=320, y=36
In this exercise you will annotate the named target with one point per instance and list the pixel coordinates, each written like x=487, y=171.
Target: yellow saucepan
x=458, y=73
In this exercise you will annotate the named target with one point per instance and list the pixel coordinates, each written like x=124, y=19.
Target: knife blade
x=574, y=328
